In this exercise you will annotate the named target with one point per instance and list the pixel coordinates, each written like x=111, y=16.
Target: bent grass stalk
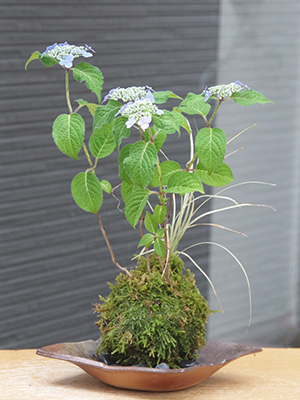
x=240, y=265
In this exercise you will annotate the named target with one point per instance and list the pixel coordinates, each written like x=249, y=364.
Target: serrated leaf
x=87, y=192
x=146, y=240
x=102, y=142
x=135, y=204
x=48, y=61
x=222, y=176
x=167, y=168
x=139, y=165
x=127, y=189
x=159, y=213
x=150, y=224
x=182, y=182
x=159, y=248
x=106, y=186
x=91, y=106
x=163, y=96
x=124, y=153
x=159, y=137
x=68, y=134
x=34, y=56
x=210, y=146
x=120, y=131
x=105, y=114
x=92, y=76
x=168, y=122
x=194, y=104
x=249, y=97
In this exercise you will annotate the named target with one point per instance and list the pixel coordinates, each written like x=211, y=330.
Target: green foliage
x=194, y=104
x=222, y=176
x=68, y=134
x=91, y=106
x=34, y=56
x=139, y=165
x=87, y=192
x=120, y=131
x=102, y=142
x=249, y=97
x=210, y=148
x=148, y=319
x=106, y=186
x=163, y=97
x=167, y=168
x=135, y=203
x=92, y=76
x=182, y=182
x=105, y=114
x=169, y=122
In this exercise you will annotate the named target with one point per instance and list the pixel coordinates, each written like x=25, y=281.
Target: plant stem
x=191, y=162
x=68, y=92
x=109, y=247
x=214, y=114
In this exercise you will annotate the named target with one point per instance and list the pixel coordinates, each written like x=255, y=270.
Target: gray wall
x=53, y=261
x=259, y=44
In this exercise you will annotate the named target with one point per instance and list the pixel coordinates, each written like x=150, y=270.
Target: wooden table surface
x=272, y=374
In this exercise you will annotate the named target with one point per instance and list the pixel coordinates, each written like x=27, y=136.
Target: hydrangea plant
x=150, y=183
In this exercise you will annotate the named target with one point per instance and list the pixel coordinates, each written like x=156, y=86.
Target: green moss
x=148, y=319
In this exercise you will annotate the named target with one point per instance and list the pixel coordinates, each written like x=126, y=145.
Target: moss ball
x=149, y=319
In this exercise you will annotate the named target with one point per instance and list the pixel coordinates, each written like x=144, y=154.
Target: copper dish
x=213, y=357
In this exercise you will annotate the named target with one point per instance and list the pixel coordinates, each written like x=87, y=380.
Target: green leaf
x=91, y=75
x=139, y=165
x=159, y=213
x=159, y=140
x=68, y=134
x=48, y=61
x=167, y=168
x=159, y=248
x=106, y=186
x=34, y=56
x=105, y=114
x=160, y=233
x=124, y=153
x=159, y=137
x=146, y=240
x=135, y=204
x=120, y=131
x=127, y=189
x=182, y=182
x=163, y=96
x=91, y=106
x=248, y=97
x=168, y=122
x=222, y=176
x=87, y=192
x=102, y=142
x=150, y=224
x=194, y=104
x=210, y=148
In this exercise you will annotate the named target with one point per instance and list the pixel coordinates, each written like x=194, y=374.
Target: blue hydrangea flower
x=65, y=53
x=223, y=91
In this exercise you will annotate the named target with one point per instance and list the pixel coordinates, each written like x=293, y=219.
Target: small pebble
x=162, y=366
x=187, y=363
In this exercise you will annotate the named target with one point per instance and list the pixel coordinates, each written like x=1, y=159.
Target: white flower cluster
x=224, y=91
x=140, y=112
x=65, y=53
x=131, y=93
x=221, y=91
